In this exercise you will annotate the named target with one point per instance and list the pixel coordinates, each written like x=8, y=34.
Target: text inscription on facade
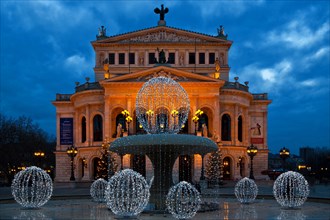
x=66, y=131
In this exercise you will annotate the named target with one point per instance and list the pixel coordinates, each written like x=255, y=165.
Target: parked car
x=273, y=173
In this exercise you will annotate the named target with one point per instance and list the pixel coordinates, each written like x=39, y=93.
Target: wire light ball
x=291, y=189
x=246, y=190
x=32, y=187
x=97, y=190
x=127, y=193
x=183, y=200
x=162, y=106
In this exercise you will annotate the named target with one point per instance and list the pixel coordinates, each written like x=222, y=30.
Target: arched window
x=139, y=127
x=240, y=128
x=97, y=128
x=83, y=129
x=120, y=119
x=203, y=119
x=162, y=120
x=225, y=128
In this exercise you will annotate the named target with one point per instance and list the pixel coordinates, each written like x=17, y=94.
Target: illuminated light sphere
x=127, y=193
x=291, y=189
x=98, y=190
x=183, y=200
x=32, y=187
x=246, y=190
x=162, y=106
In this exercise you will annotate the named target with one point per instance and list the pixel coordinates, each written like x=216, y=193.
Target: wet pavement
x=75, y=203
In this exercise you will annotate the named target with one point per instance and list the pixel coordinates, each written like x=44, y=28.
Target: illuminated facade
x=232, y=116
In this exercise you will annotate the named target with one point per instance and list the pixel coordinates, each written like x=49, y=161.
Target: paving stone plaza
x=76, y=203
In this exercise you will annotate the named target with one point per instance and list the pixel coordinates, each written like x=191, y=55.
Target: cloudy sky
x=280, y=47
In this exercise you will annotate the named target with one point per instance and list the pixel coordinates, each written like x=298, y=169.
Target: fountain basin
x=162, y=150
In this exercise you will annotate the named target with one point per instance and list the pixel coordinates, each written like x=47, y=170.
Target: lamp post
x=240, y=165
x=174, y=114
x=150, y=114
x=72, y=152
x=251, y=151
x=39, y=155
x=284, y=153
x=196, y=118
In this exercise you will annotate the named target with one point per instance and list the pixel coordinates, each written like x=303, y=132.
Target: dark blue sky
x=280, y=47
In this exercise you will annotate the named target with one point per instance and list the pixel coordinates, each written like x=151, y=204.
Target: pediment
x=175, y=74
x=162, y=34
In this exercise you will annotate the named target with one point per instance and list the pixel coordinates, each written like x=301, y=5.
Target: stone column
x=207, y=60
x=116, y=58
x=177, y=58
x=126, y=58
x=89, y=124
x=106, y=117
x=76, y=128
x=235, y=119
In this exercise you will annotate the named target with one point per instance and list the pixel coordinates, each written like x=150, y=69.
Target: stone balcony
x=88, y=86
x=235, y=85
x=63, y=97
x=260, y=96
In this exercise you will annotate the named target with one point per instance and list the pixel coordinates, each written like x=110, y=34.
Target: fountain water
x=162, y=107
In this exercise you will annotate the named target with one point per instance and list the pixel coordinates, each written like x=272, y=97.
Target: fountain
x=162, y=108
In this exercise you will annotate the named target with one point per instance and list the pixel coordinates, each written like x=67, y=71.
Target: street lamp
x=196, y=118
x=240, y=165
x=72, y=152
x=251, y=151
x=284, y=153
x=39, y=155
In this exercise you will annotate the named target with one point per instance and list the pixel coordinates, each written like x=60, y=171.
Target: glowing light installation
x=183, y=200
x=98, y=190
x=291, y=189
x=127, y=193
x=162, y=106
x=246, y=190
x=32, y=187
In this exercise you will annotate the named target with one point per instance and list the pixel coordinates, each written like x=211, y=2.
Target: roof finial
x=161, y=13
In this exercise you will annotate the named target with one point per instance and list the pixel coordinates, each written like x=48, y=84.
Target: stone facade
x=123, y=63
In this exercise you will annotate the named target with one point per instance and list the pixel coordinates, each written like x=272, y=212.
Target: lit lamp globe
x=32, y=187
x=162, y=106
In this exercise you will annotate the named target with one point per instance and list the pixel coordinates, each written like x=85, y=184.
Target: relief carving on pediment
x=164, y=74
x=163, y=36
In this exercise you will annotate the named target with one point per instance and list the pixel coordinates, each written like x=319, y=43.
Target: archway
x=96, y=161
x=138, y=164
x=227, y=168
x=185, y=168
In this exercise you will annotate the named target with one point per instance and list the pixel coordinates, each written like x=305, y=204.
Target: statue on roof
x=161, y=13
x=221, y=32
x=102, y=33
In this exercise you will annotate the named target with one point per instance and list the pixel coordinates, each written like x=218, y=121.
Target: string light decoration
x=97, y=190
x=291, y=189
x=158, y=100
x=246, y=190
x=127, y=193
x=183, y=200
x=32, y=187
x=214, y=168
